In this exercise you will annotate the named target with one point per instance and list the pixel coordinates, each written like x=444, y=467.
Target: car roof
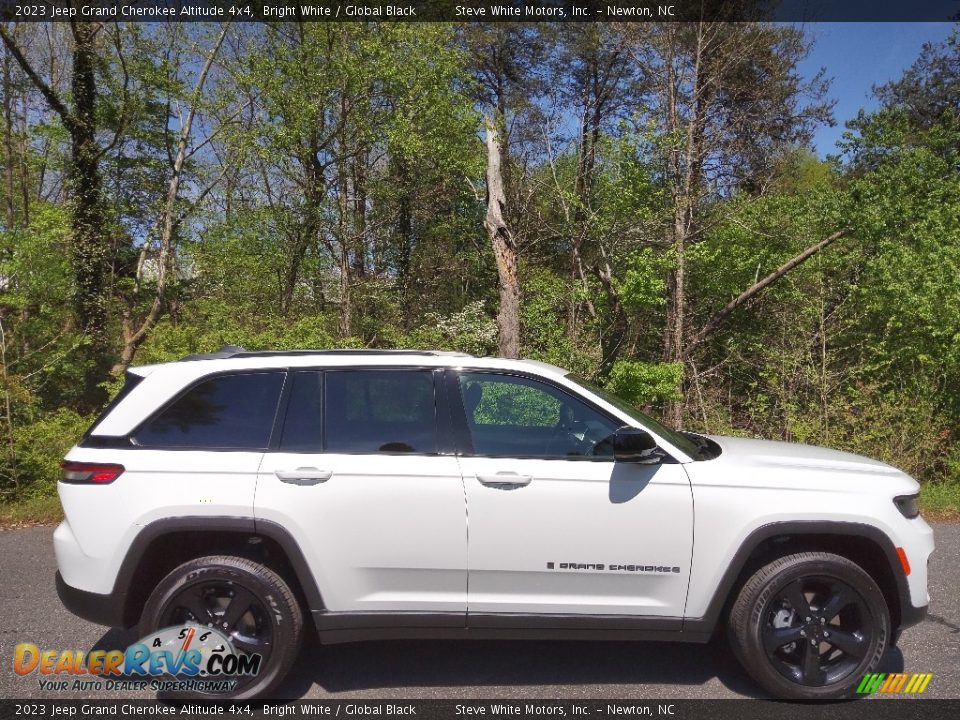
x=232, y=357
x=235, y=351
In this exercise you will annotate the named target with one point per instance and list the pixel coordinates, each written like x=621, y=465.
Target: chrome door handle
x=304, y=476
x=505, y=480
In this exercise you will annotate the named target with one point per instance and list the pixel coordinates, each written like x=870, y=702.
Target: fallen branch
x=757, y=287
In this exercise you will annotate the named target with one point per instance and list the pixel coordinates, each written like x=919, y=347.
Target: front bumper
x=911, y=615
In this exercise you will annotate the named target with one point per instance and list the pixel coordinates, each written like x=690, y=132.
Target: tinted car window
x=227, y=412
x=302, y=428
x=380, y=411
x=510, y=416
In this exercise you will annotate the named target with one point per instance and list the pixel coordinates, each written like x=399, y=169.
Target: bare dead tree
x=504, y=248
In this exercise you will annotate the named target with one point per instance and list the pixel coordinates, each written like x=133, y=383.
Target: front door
x=556, y=527
x=358, y=478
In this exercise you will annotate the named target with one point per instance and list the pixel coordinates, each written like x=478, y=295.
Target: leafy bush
x=643, y=383
x=39, y=448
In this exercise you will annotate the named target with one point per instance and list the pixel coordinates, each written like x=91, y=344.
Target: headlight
x=907, y=505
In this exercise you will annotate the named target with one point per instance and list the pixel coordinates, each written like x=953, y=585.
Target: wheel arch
x=866, y=545
x=164, y=544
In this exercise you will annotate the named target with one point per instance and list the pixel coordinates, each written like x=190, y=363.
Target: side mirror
x=634, y=445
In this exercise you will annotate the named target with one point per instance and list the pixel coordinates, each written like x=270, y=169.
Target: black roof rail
x=235, y=351
x=227, y=351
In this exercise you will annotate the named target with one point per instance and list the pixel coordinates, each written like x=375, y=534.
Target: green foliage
x=544, y=323
x=218, y=327
x=471, y=330
x=908, y=207
x=34, y=261
x=335, y=199
x=39, y=447
x=643, y=287
x=643, y=383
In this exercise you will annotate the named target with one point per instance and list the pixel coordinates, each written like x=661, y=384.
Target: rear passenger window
x=229, y=412
x=380, y=411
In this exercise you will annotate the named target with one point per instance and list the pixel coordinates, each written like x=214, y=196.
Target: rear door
x=360, y=477
x=557, y=528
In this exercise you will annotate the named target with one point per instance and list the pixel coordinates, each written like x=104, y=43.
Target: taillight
x=80, y=473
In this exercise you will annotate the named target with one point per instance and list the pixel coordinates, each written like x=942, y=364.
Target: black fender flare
x=909, y=614
x=212, y=525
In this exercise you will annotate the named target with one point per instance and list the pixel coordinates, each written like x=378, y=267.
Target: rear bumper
x=97, y=608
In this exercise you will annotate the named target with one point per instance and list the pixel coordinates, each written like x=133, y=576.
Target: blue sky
x=858, y=56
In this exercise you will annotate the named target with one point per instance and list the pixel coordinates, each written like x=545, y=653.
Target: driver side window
x=510, y=416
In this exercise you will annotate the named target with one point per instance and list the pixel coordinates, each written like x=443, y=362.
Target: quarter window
x=233, y=412
x=371, y=411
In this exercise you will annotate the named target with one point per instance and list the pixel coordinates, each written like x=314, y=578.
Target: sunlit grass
x=940, y=501
x=35, y=510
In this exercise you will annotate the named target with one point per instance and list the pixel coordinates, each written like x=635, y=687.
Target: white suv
x=398, y=494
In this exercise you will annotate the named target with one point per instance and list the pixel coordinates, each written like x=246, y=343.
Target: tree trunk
x=8, y=141
x=586, y=164
x=22, y=153
x=91, y=238
x=685, y=181
x=91, y=246
x=346, y=315
x=612, y=341
x=346, y=318
x=405, y=239
x=360, y=212
x=297, y=243
x=504, y=249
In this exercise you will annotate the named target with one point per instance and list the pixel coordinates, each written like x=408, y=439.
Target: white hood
x=793, y=455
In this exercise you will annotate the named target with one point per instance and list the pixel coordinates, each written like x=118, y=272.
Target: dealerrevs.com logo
x=187, y=658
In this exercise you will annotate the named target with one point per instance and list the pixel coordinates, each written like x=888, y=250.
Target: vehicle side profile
x=417, y=494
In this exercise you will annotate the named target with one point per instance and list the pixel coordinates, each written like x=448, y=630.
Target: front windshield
x=679, y=441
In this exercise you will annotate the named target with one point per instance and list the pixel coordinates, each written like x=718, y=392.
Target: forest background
x=638, y=203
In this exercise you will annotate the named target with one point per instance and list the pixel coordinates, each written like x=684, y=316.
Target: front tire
x=809, y=626
x=247, y=601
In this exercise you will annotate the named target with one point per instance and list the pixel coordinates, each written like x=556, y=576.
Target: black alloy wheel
x=809, y=626
x=245, y=601
x=816, y=630
x=225, y=606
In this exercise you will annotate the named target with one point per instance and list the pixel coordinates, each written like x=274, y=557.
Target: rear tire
x=268, y=621
x=809, y=626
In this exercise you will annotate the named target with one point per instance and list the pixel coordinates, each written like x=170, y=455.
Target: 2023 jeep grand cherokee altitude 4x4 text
x=263, y=493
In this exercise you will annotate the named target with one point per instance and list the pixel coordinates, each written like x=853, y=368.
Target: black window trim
x=464, y=441
x=281, y=419
x=441, y=405
x=129, y=438
x=130, y=381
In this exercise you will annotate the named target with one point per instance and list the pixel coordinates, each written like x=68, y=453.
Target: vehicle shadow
x=115, y=639
x=472, y=668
